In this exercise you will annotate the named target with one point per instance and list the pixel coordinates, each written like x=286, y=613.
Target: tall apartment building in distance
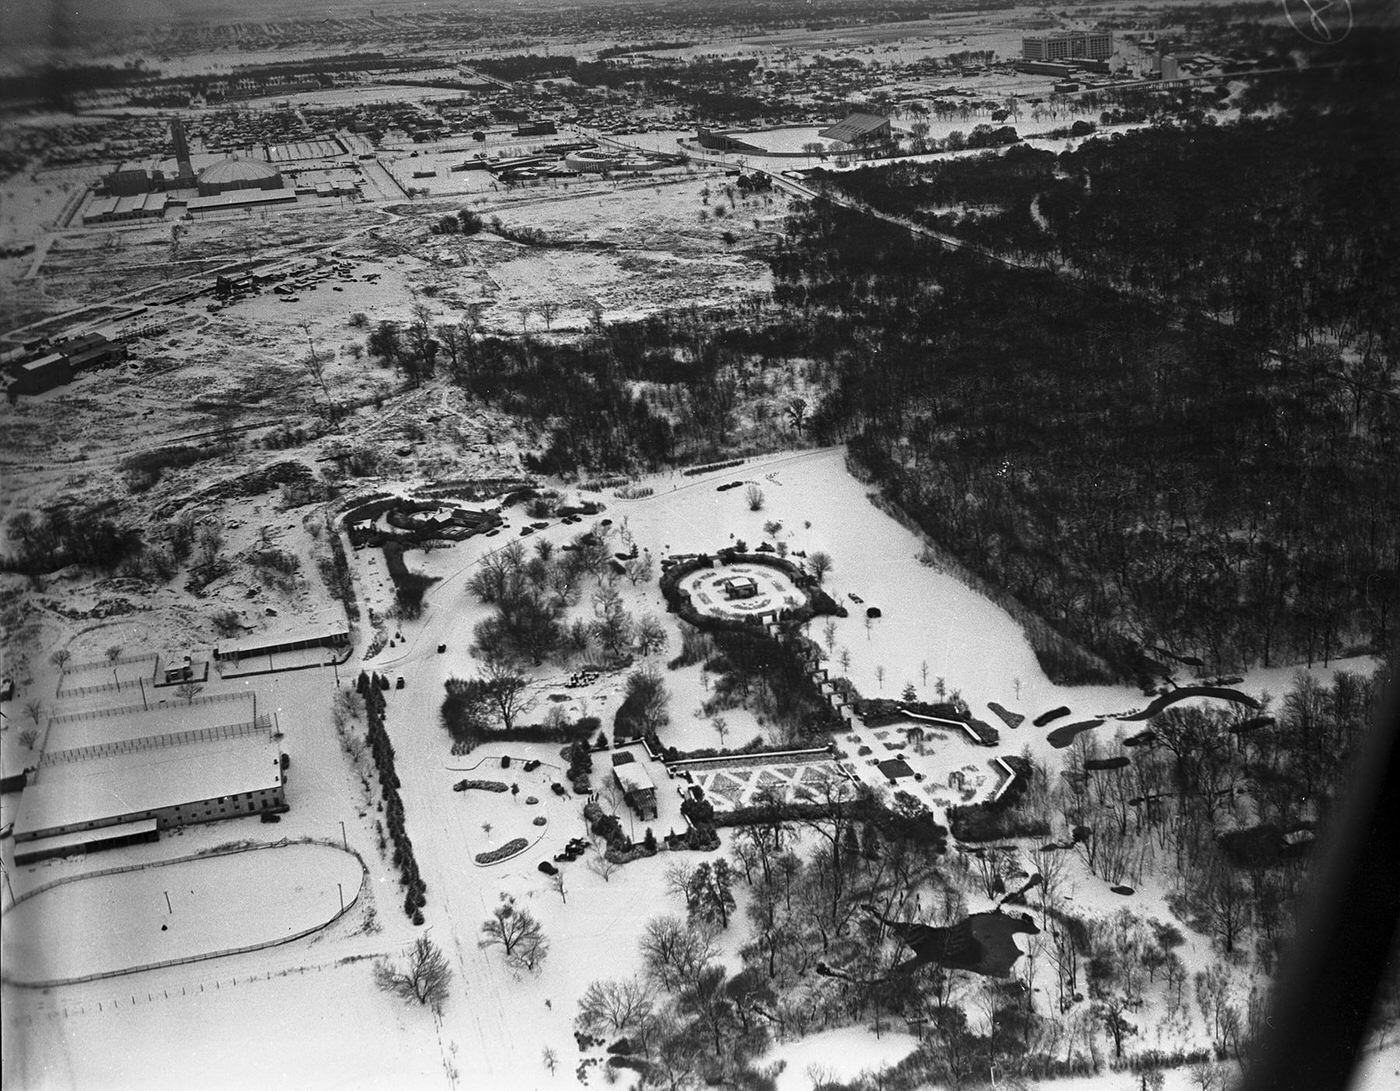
x=1060, y=47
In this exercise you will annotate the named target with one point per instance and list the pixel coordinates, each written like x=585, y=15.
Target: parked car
x=547, y=868
x=505, y=761
x=442, y=648
x=558, y=789
x=399, y=683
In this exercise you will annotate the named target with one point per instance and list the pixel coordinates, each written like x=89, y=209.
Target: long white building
x=125, y=791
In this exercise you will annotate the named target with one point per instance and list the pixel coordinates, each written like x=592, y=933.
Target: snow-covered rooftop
x=633, y=777
x=264, y=642
x=129, y=782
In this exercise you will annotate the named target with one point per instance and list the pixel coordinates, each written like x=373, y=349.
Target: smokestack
x=184, y=171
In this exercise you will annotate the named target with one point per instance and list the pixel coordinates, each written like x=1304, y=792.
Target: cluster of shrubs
x=580, y=768
x=285, y=436
x=510, y=848
x=1002, y=818
x=466, y=222
x=701, y=837
x=371, y=688
x=602, y=484
x=144, y=469
x=620, y=848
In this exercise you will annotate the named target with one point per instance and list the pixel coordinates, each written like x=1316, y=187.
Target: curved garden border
x=67, y=879
x=679, y=603
x=542, y=829
x=1185, y=692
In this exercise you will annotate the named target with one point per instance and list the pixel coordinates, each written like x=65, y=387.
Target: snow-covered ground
x=302, y=1029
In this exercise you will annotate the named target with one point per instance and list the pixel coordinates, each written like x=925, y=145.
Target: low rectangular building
x=118, y=793
x=859, y=128
x=637, y=787
x=42, y=374
x=336, y=636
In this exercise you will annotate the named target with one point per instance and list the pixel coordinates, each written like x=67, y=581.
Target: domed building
x=234, y=173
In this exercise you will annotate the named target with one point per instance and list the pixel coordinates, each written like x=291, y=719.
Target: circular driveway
x=722, y=592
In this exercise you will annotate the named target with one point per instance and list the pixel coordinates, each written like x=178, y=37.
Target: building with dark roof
x=895, y=768
x=233, y=173
x=859, y=128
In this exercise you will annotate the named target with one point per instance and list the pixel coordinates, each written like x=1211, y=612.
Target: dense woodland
x=1136, y=470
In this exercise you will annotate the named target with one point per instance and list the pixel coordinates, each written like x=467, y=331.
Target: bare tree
x=820, y=563
x=754, y=496
x=549, y=311
x=189, y=691
x=34, y=709
x=317, y=370
x=508, y=927
x=424, y=977
x=614, y=1005
x=675, y=950
x=550, y=1059
x=797, y=414
x=211, y=544
x=28, y=737
x=507, y=688
x=602, y=867
x=114, y=653
x=640, y=569
x=61, y=658
x=651, y=634
x=557, y=881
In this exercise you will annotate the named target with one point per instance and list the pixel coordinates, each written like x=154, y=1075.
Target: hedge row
x=484, y=785
x=382, y=750
x=710, y=467
x=755, y=746
x=1002, y=819
x=408, y=585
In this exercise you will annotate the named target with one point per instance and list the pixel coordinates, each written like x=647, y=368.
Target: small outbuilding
x=637, y=787
x=739, y=587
